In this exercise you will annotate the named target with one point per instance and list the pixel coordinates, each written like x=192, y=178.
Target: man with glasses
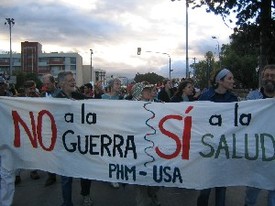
x=267, y=90
x=68, y=90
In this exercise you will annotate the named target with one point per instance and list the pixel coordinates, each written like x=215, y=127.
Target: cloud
x=114, y=29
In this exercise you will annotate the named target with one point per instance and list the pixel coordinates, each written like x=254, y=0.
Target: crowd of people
x=65, y=87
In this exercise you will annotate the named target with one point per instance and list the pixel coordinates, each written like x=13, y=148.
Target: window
x=73, y=60
x=73, y=67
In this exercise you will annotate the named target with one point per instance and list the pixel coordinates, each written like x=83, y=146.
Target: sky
x=114, y=29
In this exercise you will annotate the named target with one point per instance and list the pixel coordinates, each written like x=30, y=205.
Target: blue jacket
x=256, y=94
x=211, y=95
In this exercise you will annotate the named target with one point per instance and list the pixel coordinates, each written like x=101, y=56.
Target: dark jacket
x=75, y=95
x=211, y=95
x=163, y=95
x=176, y=98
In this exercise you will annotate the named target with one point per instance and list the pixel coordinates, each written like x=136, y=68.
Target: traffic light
x=138, y=51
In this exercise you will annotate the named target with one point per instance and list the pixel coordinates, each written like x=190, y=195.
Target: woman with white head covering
x=222, y=85
x=220, y=91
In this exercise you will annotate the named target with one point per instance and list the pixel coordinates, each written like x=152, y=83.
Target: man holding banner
x=267, y=91
x=67, y=85
x=145, y=195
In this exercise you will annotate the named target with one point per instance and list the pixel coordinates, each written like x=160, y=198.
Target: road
x=33, y=193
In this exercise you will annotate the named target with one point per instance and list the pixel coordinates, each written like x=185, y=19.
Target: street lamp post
x=169, y=59
x=186, y=49
x=219, y=55
x=186, y=40
x=91, y=64
x=10, y=22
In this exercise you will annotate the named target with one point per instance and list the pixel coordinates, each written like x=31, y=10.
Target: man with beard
x=268, y=80
x=266, y=91
x=68, y=90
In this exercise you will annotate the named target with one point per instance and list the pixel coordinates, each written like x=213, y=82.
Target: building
x=57, y=62
x=5, y=63
x=33, y=60
x=98, y=74
x=30, y=52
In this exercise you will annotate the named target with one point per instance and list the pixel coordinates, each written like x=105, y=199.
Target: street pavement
x=33, y=193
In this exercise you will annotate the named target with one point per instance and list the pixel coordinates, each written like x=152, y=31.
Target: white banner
x=188, y=145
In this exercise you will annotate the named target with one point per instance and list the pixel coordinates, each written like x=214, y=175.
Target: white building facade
x=33, y=60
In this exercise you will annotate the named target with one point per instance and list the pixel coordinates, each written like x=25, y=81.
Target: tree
x=152, y=78
x=242, y=66
x=203, y=70
x=248, y=13
x=241, y=56
x=200, y=78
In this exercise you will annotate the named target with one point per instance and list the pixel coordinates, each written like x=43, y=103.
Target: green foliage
x=241, y=56
x=200, y=74
x=247, y=12
x=203, y=70
x=150, y=77
x=242, y=61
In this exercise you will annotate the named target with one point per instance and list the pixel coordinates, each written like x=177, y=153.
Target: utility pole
x=186, y=48
x=187, y=74
x=219, y=54
x=10, y=22
x=91, y=64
